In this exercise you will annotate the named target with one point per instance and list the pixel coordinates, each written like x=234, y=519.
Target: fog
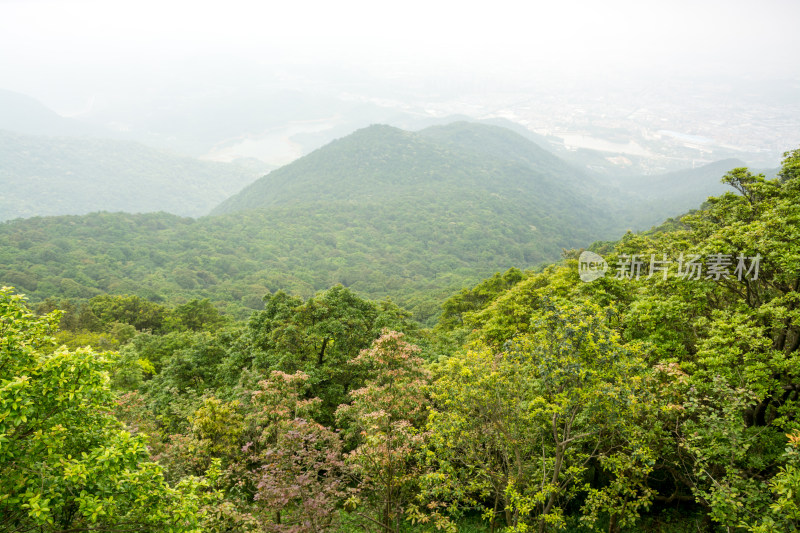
x=722, y=74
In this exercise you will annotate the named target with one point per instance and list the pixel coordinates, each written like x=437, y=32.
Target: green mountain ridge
x=386, y=212
x=381, y=161
x=60, y=175
x=498, y=141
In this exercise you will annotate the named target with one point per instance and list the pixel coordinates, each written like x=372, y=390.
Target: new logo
x=591, y=266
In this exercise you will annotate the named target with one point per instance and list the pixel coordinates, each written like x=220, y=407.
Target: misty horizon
x=677, y=85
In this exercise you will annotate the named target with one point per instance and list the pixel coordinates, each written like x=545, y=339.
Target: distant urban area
x=647, y=127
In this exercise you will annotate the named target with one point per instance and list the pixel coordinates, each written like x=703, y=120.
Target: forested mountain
x=64, y=175
x=389, y=213
x=662, y=398
x=384, y=211
x=443, y=160
x=504, y=143
x=381, y=162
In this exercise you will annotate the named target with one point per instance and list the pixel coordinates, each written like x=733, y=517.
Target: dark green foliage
x=319, y=337
x=195, y=315
x=415, y=256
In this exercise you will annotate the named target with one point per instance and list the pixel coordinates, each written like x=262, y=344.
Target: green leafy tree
x=319, y=337
x=784, y=511
x=66, y=464
x=730, y=345
x=195, y=315
x=476, y=298
x=128, y=309
x=514, y=434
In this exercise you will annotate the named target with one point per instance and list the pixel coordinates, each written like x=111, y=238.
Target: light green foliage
x=706, y=424
x=784, y=512
x=476, y=298
x=521, y=427
x=212, y=436
x=737, y=391
x=478, y=436
x=65, y=462
x=217, y=426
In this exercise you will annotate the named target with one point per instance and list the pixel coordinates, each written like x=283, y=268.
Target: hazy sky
x=71, y=47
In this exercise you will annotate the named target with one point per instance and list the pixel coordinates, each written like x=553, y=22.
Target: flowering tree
x=293, y=464
x=383, y=421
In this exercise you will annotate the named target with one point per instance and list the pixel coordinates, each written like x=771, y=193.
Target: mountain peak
x=382, y=161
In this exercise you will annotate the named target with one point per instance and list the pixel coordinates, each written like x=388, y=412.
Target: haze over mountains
x=65, y=175
x=55, y=165
x=52, y=165
x=26, y=115
x=390, y=213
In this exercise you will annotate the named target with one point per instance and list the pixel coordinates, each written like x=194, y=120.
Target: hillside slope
x=25, y=115
x=59, y=175
x=383, y=161
x=411, y=216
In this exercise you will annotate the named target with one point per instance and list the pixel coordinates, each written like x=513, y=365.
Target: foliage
x=784, y=511
x=477, y=298
x=65, y=462
x=383, y=422
x=383, y=212
x=514, y=433
x=319, y=337
x=540, y=402
x=294, y=465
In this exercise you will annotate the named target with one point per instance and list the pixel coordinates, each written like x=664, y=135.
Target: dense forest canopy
x=385, y=212
x=664, y=401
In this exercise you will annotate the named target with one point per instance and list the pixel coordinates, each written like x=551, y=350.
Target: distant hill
x=503, y=143
x=682, y=190
x=386, y=212
x=486, y=175
x=703, y=180
x=384, y=163
x=22, y=114
x=60, y=175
